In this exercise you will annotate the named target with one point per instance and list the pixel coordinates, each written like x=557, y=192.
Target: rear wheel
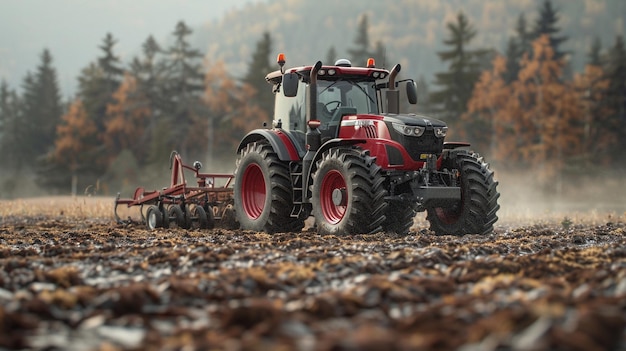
x=263, y=191
x=347, y=193
x=476, y=212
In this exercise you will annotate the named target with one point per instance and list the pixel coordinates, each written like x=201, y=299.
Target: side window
x=291, y=110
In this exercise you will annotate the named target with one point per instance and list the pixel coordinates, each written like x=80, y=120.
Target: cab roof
x=326, y=73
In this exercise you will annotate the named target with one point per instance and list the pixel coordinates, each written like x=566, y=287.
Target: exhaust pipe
x=393, y=95
x=312, y=110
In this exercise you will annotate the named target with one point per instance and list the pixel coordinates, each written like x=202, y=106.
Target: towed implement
x=203, y=206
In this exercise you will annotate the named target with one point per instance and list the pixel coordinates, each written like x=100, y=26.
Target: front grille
x=428, y=143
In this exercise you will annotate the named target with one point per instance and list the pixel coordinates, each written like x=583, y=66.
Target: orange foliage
x=76, y=136
x=125, y=119
x=229, y=103
x=539, y=121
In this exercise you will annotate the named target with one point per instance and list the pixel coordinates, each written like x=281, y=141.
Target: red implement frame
x=207, y=194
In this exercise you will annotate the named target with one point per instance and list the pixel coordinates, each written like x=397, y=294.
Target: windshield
x=344, y=93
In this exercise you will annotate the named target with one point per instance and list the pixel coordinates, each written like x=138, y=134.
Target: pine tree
x=258, y=68
x=11, y=129
x=546, y=24
x=99, y=80
x=360, y=53
x=464, y=70
x=524, y=37
x=380, y=54
x=594, y=57
x=185, y=84
x=513, y=57
x=331, y=56
x=149, y=73
x=41, y=111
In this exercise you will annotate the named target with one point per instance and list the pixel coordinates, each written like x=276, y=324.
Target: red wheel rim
x=447, y=216
x=332, y=212
x=253, y=192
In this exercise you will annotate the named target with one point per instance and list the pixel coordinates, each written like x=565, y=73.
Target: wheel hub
x=339, y=196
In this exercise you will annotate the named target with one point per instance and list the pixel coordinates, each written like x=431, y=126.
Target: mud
x=94, y=285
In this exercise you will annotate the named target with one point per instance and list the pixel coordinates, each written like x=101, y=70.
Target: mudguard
x=280, y=141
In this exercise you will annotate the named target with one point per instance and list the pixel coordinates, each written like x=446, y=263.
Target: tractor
x=340, y=150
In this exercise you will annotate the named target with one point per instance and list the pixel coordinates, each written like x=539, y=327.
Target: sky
x=73, y=29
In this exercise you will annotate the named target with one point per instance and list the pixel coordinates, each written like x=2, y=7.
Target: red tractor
x=341, y=151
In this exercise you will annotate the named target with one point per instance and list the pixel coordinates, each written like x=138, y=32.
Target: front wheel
x=476, y=212
x=348, y=196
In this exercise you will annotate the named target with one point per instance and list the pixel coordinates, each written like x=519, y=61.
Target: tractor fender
x=279, y=140
x=331, y=144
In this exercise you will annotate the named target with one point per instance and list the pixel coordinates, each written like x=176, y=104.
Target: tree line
x=523, y=107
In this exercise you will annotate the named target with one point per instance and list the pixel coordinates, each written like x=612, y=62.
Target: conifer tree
x=258, y=68
x=41, y=110
x=360, y=53
x=11, y=129
x=464, y=70
x=546, y=24
x=186, y=112
x=594, y=56
x=331, y=56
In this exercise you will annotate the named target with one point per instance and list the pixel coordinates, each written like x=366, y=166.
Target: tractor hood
x=412, y=119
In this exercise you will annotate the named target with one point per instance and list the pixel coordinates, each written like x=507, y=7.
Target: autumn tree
x=73, y=155
x=126, y=119
x=464, y=69
x=487, y=111
x=616, y=96
x=258, y=68
x=231, y=117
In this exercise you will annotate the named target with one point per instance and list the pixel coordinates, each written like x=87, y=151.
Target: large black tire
x=348, y=196
x=476, y=212
x=263, y=191
x=400, y=217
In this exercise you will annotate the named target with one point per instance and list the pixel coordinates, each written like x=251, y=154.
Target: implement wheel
x=154, y=218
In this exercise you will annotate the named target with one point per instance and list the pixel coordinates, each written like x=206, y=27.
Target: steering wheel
x=332, y=102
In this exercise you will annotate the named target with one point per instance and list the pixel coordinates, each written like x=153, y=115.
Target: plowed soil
x=71, y=283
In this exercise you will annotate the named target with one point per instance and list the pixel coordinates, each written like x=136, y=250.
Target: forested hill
x=412, y=31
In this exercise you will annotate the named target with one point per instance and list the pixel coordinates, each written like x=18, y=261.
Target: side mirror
x=411, y=92
x=290, y=84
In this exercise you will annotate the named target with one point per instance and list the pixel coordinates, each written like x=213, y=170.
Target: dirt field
x=72, y=279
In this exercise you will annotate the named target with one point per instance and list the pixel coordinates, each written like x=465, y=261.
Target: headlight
x=441, y=132
x=409, y=130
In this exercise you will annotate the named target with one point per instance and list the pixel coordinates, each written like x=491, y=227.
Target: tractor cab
x=341, y=90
